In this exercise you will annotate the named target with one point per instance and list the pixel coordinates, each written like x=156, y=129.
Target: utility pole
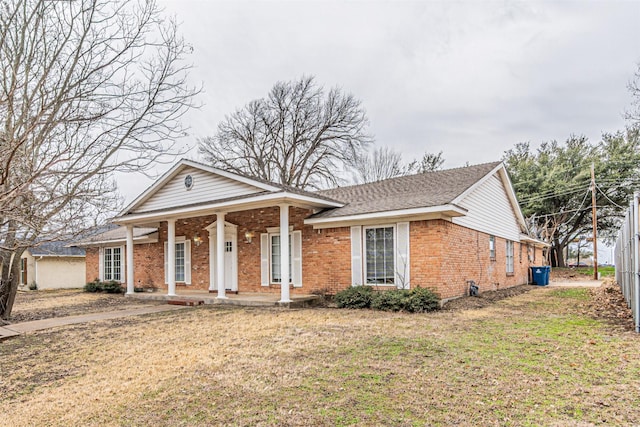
x=595, y=221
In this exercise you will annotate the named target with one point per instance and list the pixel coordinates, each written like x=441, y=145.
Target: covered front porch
x=247, y=299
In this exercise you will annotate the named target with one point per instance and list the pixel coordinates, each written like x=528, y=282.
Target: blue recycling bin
x=540, y=275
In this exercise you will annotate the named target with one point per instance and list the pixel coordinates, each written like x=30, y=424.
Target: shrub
x=354, y=297
x=33, y=286
x=95, y=286
x=422, y=300
x=392, y=300
x=112, y=287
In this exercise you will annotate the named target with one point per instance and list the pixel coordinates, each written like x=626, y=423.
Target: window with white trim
x=492, y=248
x=112, y=264
x=379, y=248
x=509, y=257
x=182, y=259
x=276, y=274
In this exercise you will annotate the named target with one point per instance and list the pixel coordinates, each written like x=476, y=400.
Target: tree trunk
x=9, y=281
x=557, y=255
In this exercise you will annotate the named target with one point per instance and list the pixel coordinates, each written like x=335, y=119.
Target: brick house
x=439, y=230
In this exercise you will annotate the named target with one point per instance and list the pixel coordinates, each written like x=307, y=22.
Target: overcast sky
x=468, y=78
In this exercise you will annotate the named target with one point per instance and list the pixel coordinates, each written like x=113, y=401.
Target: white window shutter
x=123, y=267
x=264, y=259
x=166, y=263
x=356, y=255
x=296, y=258
x=403, y=267
x=187, y=262
x=101, y=263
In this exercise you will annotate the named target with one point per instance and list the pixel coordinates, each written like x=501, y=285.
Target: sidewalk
x=38, y=325
x=575, y=283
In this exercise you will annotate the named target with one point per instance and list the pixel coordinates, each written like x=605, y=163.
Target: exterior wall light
x=248, y=235
x=197, y=239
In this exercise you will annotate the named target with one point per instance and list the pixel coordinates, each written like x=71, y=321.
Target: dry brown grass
x=67, y=302
x=534, y=359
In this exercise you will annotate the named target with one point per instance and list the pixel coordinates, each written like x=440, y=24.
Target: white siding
x=490, y=211
x=206, y=187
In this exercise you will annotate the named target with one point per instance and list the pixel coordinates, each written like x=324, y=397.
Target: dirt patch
x=37, y=305
x=486, y=298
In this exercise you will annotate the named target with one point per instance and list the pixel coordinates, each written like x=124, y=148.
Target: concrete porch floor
x=247, y=299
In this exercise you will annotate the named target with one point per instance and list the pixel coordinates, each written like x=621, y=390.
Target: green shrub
x=95, y=286
x=112, y=287
x=33, y=286
x=392, y=300
x=422, y=300
x=354, y=297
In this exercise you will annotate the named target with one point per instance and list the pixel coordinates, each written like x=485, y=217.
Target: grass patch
x=534, y=359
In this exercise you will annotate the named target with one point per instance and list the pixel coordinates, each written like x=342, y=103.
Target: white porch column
x=129, y=249
x=220, y=254
x=284, y=253
x=171, y=254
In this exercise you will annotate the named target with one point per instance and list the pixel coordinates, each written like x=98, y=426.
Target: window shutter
x=264, y=259
x=296, y=258
x=101, y=264
x=187, y=262
x=403, y=266
x=123, y=267
x=166, y=264
x=356, y=255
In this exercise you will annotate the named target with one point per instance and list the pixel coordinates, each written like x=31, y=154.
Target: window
x=112, y=264
x=276, y=275
x=183, y=261
x=23, y=270
x=492, y=248
x=379, y=249
x=509, y=257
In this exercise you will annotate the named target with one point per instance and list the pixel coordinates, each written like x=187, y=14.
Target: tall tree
x=298, y=135
x=87, y=88
x=384, y=163
x=553, y=185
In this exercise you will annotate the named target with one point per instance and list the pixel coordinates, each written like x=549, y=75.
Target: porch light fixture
x=248, y=235
x=197, y=239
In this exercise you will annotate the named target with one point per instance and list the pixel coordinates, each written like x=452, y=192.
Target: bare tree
x=87, y=88
x=385, y=163
x=299, y=135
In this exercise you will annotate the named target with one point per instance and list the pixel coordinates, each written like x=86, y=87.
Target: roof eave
x=432, y=212
x=263, y=200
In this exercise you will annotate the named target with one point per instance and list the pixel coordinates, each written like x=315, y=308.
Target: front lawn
x=537, y=358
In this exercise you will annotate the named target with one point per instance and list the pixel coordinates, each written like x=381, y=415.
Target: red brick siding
x=443, y=256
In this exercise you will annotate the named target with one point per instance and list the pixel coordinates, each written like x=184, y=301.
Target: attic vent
x=188, y=182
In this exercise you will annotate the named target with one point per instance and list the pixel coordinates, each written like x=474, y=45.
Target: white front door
x=230, y=257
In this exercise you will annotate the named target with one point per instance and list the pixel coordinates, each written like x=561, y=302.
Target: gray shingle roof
x=406, y=192
x=115, y=233
x=56, y=249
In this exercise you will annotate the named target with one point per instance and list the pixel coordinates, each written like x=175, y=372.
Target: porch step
x=187, y=302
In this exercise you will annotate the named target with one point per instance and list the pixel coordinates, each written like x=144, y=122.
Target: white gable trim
x=178, y=167
x=508, y=187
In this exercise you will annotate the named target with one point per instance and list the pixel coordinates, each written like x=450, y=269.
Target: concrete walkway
x=575, y=283
x=38, y=325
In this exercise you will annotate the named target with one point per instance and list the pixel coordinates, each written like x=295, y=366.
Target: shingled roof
x=414, y=191
x=56, y=249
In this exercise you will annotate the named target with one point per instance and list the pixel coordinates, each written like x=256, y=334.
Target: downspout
x=636, y=261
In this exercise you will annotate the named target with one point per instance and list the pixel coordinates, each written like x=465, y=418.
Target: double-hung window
x=112, y=264
x=276, y=274
x=509, y=257
x=492, y=248
x=182, y=261
x=379, y=246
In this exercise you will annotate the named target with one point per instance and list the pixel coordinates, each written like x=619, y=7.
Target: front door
x=230, y=257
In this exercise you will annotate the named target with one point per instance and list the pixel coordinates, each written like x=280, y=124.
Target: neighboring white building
x=53, y=265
